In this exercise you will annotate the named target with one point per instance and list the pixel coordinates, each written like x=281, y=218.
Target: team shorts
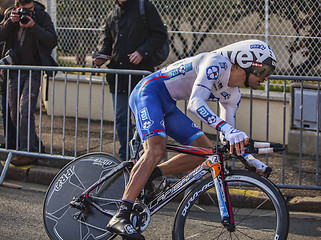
x=156, y=113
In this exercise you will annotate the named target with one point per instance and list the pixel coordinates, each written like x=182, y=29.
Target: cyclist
x=211, y=76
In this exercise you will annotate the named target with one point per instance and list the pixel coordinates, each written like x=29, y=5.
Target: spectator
x=10, y=137
x=32, y=40
x=130, y=45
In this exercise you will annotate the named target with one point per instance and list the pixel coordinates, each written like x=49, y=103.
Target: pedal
x=140, y=216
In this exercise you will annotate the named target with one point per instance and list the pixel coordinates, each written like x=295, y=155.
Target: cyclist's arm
x=201, y=92
x=197, y=105
x=228, y=109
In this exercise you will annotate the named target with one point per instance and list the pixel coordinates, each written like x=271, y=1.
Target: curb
x=44, y=175
x=305, y=204
x=38, y=174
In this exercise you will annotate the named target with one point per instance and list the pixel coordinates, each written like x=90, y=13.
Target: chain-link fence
x=291, y=27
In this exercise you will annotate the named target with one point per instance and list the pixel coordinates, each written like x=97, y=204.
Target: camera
x=24, y=13
x=10, y=58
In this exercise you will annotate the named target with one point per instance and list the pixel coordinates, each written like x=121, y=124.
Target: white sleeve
x=197, y=103
x=228, y=109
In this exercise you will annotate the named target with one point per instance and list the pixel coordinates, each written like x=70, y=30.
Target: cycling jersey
x=198, y=79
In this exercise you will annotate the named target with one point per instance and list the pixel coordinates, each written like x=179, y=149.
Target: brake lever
x=249, y=148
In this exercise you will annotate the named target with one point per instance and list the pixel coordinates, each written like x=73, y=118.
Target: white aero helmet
x=254, y=56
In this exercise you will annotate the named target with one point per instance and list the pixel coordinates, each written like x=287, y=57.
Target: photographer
x=8, y=127
x=29, y=31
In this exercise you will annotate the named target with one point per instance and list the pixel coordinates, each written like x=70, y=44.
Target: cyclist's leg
x=146, y=102
x=150, y=101
x=187, y=133
x=154, y=152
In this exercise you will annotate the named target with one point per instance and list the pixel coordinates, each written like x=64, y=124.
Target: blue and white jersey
x=202, y=78
x=198, y=79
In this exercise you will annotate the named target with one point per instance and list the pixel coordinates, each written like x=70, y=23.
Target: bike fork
x=223, y=196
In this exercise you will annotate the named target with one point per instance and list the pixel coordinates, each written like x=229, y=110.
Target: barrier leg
x=5, y=167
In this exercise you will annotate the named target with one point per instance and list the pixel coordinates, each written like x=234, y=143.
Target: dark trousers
x=23, y=114
x=9, y=128
x=121, y=122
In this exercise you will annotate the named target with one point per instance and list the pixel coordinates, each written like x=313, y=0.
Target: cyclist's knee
x=155, y=152
x=155, y=148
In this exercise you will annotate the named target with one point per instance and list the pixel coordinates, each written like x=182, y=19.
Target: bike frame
x=213, y=163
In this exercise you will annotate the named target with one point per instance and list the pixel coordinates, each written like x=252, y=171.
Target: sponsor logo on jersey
x=181, y=70
x=194, y=125
x=145, y=120
x=211, y=119
x=206, y=115
x=162, y=123
x=213, y=98
x=226, y=95
x=223, y=65
x=212, y=72
x=218, y=85
x=202, y=111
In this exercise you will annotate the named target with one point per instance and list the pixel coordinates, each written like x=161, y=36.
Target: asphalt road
x=21, y=216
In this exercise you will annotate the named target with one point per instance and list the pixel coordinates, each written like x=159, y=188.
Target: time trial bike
x=226, y=203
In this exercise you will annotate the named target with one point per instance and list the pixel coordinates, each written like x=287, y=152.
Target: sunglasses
x=262, y=70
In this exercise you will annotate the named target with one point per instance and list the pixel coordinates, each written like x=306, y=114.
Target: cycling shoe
x=123, y=227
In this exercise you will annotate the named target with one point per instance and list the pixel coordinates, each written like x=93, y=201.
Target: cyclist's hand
x=237, y=139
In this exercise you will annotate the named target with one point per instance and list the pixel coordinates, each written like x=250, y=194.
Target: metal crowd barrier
x=306, y=138
x=58, y=145
x=69, y=129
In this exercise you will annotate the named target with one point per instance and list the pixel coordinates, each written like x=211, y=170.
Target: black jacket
x=126, y=33
x=43, y=32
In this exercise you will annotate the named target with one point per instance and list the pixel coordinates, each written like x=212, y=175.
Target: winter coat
x=43, y=32
x=125, y=33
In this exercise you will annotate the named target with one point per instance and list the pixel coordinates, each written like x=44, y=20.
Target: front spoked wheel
x=259, y=209
x=85, y=222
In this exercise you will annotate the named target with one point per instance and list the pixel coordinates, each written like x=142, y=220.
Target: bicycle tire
x=259, y=209
x=64, y=222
